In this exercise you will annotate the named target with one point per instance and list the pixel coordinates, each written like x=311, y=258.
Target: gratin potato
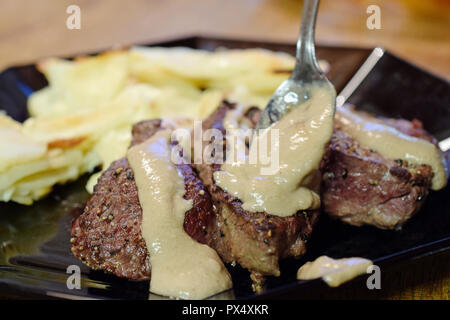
x=82, y=120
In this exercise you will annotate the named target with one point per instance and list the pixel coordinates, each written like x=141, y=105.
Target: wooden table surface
x=416, y=30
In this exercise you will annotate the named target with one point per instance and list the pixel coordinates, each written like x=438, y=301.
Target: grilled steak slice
x=255, y=240
x=360, y=186
x=107, y=235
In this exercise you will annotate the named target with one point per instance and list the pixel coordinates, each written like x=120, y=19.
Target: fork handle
x=307, y=65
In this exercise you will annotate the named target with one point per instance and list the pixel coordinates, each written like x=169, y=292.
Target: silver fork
x=295, y=91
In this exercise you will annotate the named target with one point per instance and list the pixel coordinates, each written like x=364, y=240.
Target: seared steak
x=107, y=235
x=359, y=186
x=254, y=240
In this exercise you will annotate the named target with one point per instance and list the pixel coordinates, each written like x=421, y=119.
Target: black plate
x=34, y=241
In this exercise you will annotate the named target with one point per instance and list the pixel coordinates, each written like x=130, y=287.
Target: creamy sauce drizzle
x=181, y=267
x=393, y=144
x=303, y=135
x=333, y=271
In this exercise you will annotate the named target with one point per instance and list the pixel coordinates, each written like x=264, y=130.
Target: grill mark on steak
x=107, y=235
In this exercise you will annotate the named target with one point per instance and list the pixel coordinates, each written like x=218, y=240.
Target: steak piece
x=254, y=240
x=360, y=186
x=412, y=128
x=107, y=236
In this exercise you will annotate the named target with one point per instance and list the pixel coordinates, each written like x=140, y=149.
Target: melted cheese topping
x=302, y=136
x=181, y=267
x=333, y=271
x=393, y=144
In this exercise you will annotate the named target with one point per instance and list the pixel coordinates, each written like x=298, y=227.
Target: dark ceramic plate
x=34, y=241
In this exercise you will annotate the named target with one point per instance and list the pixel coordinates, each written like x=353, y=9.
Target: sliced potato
x=16, y=146
x=78, y=85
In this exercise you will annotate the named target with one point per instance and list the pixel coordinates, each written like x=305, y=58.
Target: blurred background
x=418, y=30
